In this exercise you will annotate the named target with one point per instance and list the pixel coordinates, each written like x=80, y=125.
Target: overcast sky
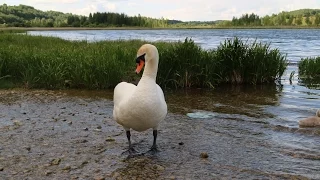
x=186, y=10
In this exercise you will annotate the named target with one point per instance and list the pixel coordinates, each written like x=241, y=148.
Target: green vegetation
x=302, y=17
x=309, y=67
x=48, y=62
x=27, y=16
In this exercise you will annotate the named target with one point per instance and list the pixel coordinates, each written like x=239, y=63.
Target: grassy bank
x=47, y=62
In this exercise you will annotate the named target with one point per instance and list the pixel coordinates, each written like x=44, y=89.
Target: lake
x=297, y=43
x=257, y=125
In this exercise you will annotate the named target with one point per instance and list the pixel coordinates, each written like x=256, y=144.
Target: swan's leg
x=130, y=145
x=154, y=146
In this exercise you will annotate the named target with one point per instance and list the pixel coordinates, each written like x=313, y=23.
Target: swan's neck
x=151, y=69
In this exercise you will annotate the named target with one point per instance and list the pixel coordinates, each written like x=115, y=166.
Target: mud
x=71, y=135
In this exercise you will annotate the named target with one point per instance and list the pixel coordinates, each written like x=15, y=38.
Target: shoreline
x=148, y=28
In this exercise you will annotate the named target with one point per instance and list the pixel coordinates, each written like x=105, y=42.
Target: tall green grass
x=309, y=71
x=309, y=67
x=48, y=62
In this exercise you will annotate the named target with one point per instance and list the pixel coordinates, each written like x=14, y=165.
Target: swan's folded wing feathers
x=122, y=91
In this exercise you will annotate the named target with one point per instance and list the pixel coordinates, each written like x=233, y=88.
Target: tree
x=90, y=18
x=308, y=22
x=298, y=21
x=317, y=19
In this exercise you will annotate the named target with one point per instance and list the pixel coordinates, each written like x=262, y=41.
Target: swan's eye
x=142, y=58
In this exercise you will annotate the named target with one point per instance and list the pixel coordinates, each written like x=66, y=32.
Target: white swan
x=143, y=106
x=311, y=121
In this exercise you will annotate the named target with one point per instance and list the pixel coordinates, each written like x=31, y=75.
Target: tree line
x=27, y=16
x=306, y=17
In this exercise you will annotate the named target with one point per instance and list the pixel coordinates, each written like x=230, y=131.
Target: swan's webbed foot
x=154, y=148
x=131, y=150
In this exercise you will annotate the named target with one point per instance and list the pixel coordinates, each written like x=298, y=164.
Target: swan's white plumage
x=143, y=106
x=311, y=121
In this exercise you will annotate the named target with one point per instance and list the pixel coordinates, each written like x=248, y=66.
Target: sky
x=185, y=10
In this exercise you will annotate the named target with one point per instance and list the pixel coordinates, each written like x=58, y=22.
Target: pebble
x=86, y=129
x=99, y=178
x=56, y=161
x=109, y=139
x=67, y=168
x=181, y=143
x=204, y=155
x=1, y=168
x=158, y=167
x=17, y=123
x=47, y=173
x=70, y=122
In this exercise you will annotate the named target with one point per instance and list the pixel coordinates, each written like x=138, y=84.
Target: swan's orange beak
x=139, y=66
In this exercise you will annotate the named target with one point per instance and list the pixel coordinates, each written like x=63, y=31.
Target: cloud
x=110, y=6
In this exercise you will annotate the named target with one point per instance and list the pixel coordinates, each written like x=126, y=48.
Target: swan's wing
x=122, y=91
x=161, y=97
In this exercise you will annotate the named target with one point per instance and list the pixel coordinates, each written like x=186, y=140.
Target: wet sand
x=71, y=135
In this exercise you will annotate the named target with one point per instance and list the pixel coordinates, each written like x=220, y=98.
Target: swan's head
x=146, y=53
x=318, y=113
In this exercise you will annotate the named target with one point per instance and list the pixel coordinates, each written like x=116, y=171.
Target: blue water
x=296, y=43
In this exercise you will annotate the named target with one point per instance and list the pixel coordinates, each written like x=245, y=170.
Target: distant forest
x=28, y=16
x=302, y=17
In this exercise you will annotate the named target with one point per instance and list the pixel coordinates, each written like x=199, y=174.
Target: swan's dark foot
x=131, y=151
x=154, y=149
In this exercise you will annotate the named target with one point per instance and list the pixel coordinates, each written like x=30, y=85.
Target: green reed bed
x=309, y=67
x=309, y=72
x=48, y=62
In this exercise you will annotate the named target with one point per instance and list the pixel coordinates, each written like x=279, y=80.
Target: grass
x=309, y=71
x=309, y=67
x=53, y=63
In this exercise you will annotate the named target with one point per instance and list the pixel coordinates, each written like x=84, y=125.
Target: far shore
x=148, y=28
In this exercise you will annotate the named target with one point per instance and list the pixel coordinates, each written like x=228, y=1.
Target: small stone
x=56, y=161
x=99, y=178
x=28, y=148
x=17, y=123
x=47, y=173
x=27, y=119
x=204, y=155
x=181, y=143
x=26, y=171
x=172, y=177
x=64, y=120
x=66, y=168
x=109, y=139
x=1, y=168
x=63, y=108
x=99, y=127
x=158, y=167
x=86, y=129
x=70, y=122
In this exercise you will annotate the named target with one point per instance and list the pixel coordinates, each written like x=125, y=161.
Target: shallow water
x=250, y=133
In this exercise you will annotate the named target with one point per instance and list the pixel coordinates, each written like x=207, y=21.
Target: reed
x=48, y=62
x=249, y=63
x=309, y=67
